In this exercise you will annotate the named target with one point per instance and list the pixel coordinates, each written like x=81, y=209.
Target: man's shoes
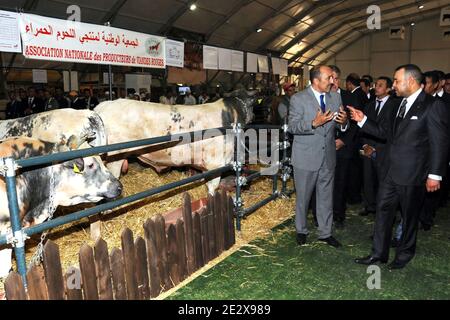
x=395, y=243
x=369, y=260
x=301, y=239
x=396, y=265
x=331, y=241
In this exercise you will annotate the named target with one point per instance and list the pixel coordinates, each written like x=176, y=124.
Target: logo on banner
x=153, y=47
x=174, y=53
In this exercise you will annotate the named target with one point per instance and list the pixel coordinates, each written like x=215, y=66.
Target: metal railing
x=9, y=166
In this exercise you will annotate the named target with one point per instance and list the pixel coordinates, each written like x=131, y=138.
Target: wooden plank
x=118, y=274
x=205, y=235
x=37, y=288
x=152, y=258
x=129, y=260
x=72, y=279
x=189, y=234
x=199, y=262
x=142, y=269
x=161, y=246
x=14, y=289
x=88, y=275
x=103, y=270
x=225, y=219
x=53, y=271
x=181, y=244
x=211, y=228
x=218, y=222
x=172, y=251
x=231, y=221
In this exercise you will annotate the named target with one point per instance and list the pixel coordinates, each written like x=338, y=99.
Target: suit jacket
x=419, y=146
x=349, y=137
x=360, y=99
x=379, y=143
x=312, y=147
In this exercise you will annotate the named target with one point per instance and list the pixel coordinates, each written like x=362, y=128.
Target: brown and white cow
x=82, y=180
x=57, y=126
x=127, y=120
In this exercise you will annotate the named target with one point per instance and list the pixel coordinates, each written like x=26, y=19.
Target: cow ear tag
x=76, y=169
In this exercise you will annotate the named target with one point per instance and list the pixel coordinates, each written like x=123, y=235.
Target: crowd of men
x=391, y=155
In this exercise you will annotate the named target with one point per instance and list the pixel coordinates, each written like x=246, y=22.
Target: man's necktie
x=322, y=103
x=377, y=108
x=401, y=114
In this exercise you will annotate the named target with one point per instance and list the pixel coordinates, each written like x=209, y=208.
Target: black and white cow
x=127, y=120
x=82, y=180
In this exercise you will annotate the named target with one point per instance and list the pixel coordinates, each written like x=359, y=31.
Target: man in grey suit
x=314, y=150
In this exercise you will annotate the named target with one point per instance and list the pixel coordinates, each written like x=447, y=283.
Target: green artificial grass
x=277, y=268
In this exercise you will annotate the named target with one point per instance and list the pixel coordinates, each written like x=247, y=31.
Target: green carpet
x=276, y=268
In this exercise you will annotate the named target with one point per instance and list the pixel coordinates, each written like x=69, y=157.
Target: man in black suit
x=352, y=83
x=35, y=103
x=345, y=146
x=374, y=147
x=416, y=155
x=14, y=108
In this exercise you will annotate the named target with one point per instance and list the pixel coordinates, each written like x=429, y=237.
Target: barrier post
x=237, y=166
x=285, y=169
x=16, y=237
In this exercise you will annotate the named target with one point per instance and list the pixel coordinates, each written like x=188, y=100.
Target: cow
x=83, y=180
x=57, y=126
x=127, y=120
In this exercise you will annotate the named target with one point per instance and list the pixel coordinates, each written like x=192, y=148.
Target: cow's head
x=84, y=180
x=242, y=101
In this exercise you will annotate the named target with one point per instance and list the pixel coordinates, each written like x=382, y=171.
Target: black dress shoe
x=301, y=239
x=369, y=260
x=396, y=265
x=331, y=241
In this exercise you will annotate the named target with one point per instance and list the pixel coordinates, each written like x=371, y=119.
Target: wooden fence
x=144, y=267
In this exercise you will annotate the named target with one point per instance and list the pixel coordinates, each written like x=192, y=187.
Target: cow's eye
x=91, y=166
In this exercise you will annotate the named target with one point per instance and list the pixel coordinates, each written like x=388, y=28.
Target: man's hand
x=342, y=116
x=322, y=118
x=339, y=144
x=356, y=114
x=433, y=185
x=368, y=150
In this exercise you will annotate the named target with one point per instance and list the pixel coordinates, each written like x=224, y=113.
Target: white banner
x=106, y=78
x=252, y=62
x=210, y=58
x=275, y=66
x=263, y=64
x=174, y=53
x=9, y=32
x=237, y=61
x=224, y=59
x=283, y=67
x=39, y=76
x=70, y=80
x=62, y=40
x=138, y=82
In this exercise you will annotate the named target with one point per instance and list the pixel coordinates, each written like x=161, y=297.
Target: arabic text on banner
x=62, y=40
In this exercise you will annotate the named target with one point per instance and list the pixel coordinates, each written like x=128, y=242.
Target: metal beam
x=301, y=15
x=182, y=10
x=329, y=16
x=264, y=19
x=113, y=12
x=222, y=21
x=345, y=22
x=396, y=20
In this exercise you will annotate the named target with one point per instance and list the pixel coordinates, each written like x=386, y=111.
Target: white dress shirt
x=409, y=102
x=317, y=94
x=383, y=101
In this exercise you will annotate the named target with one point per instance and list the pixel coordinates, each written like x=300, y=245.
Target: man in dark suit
x=345, y=146
x=373, y=147
x=352, y=83
x=416, y=155
x=14, y=107
x=35, y=103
